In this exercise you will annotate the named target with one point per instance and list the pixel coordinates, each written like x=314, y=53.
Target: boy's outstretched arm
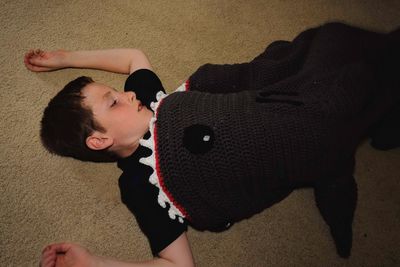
x=178, y=253
x=123, y=60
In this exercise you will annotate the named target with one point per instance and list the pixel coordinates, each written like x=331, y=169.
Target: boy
x=129, y=117
x=235, y=140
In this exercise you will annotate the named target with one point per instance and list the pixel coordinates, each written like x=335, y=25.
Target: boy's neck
x=127, y=151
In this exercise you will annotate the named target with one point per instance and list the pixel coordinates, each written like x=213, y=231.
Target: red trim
x=187, y=85
x=160, y=176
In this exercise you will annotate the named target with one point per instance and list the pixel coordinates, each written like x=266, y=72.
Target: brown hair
x=66, y=124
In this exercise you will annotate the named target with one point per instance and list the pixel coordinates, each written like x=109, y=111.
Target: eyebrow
x=107, y=95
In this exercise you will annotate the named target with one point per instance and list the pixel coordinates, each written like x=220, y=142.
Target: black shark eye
x=198, y=138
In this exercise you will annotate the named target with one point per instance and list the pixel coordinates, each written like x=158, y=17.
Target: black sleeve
x=140, y=197
x=145, y=84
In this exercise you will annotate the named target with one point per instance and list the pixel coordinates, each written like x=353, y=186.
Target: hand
x=39, y=60
x=67, y=255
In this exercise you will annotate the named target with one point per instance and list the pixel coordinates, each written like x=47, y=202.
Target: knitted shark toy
x=236, y=139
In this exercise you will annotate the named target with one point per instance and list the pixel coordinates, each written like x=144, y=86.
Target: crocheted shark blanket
x=235, y=139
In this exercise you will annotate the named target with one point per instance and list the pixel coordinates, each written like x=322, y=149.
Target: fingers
x=32, y=60
x=27, y=59
x=27, y=56
x=49, y=253
x=34, y=53
x=48, y=258
x=61, y=247
x=38, y=52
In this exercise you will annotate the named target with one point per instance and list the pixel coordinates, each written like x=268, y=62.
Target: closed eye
x=115, y=101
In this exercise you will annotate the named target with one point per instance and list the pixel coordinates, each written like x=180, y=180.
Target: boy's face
x=123, y=116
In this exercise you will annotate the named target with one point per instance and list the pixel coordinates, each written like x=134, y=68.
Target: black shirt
x=137, y=193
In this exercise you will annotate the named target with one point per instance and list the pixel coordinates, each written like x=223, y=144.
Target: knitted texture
x=247, y=169
x=292, y=117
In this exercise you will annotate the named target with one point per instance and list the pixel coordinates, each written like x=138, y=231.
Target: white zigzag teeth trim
x=153, y=179
x=162, y=198
x=171, y=214
x=153, y=106
x=181, y=88
x=148, y=161
x=160, y=95
x=146, y=143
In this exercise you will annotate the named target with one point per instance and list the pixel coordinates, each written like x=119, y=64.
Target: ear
x=99, y=141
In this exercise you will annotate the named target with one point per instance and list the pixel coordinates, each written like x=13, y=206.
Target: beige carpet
x=48, y=199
